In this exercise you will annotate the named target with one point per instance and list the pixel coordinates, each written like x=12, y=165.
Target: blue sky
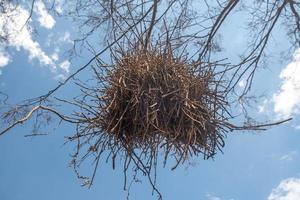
x=254, y=165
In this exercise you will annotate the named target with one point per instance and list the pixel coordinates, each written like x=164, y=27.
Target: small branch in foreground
x=31, y=112
x=260, y=127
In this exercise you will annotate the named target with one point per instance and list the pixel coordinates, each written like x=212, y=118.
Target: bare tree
x=176, y=32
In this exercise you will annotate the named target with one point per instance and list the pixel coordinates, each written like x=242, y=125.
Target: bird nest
x=155, y=100
x=151, y=103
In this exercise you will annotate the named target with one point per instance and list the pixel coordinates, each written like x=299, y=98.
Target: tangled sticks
x=155, y=99
x=151, y=102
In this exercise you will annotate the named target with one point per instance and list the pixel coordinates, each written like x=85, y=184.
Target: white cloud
x=297, y=127
x=288, y=189
x=66, y=37
x=13, y=26
x=287, y=100
x=65, y=65
x=242, y=83
x=55, y=56
x=212, y=197
x=4, y=59
x=289, y=156
x=263, y=107
x=60, y=77
x=59, y=39
x=59, y=6
x=45, y=19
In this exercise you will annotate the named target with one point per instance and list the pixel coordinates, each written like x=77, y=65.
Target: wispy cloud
x=242, y=83
x=4, y=58
x=59, y=39
x=44, y=18
x=59, y=6
x=262, y=108
x=212, y=197
x=12, y=26
x=55, y=56
x=65, y=38
x=288, y=189
x=287, y=99
x=65, y=65
x=289, y=156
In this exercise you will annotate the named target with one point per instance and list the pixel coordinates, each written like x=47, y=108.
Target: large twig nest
x=154, y=100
